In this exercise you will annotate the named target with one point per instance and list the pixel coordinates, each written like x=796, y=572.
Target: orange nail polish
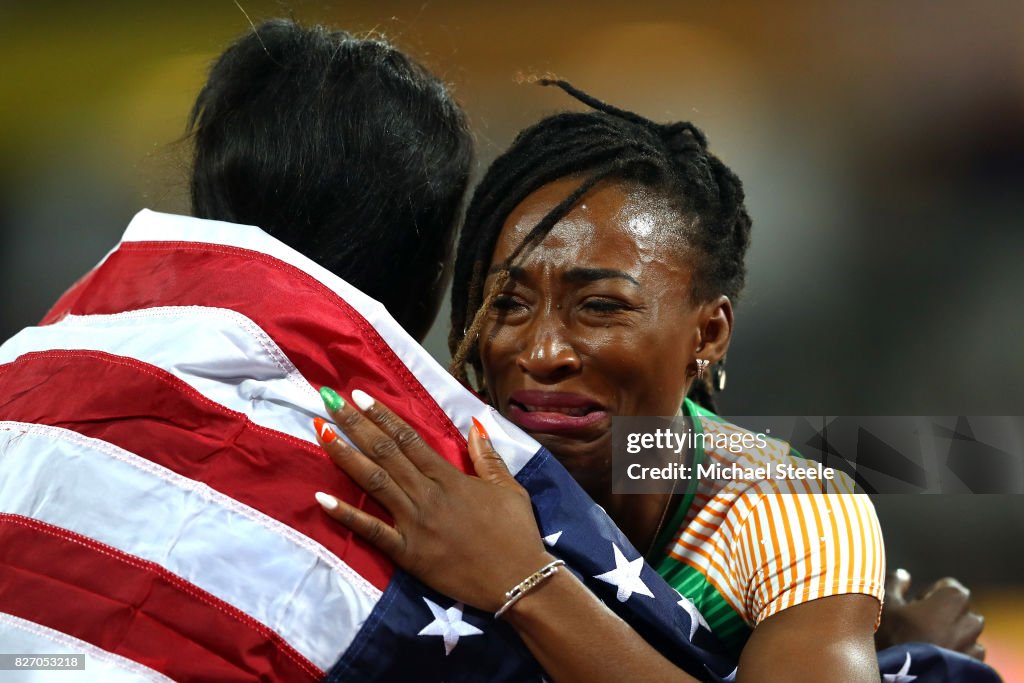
x=480, y=428
x=324, y=430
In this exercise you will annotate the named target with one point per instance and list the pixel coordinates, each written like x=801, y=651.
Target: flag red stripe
x=328, y=341
x=135, y=608
x=155, y=415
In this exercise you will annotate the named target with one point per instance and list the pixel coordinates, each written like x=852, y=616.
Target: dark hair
x=345, y=149
x=608, y=143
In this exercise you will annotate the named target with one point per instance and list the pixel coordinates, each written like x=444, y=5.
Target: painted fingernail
x=324, y=430
x=480, y=428
x=362, y=399
x=331, y=399
x=327, y=501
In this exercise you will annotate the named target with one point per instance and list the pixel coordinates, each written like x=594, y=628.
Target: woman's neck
x=641, y=517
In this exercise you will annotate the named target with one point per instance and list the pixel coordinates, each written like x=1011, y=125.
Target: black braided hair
x=343, y=148
x=602, y=144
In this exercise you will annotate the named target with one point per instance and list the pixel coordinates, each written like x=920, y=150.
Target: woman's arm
x=473, y=538
x=577, y=638
x=826, y=639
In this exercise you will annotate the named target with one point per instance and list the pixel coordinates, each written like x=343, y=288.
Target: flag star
x=901, y=676
x=626, y=577
x=696, y=618
x=448, y=624
x=552, y=539
x=730, y=678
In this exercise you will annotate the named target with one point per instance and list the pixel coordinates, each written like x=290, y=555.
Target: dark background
x=881, y=145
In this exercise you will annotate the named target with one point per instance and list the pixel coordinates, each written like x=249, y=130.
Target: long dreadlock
x=603, y=144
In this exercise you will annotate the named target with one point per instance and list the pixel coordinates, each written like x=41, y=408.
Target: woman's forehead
x=622, y=221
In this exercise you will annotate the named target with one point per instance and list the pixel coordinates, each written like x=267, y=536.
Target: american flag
x=157, y=468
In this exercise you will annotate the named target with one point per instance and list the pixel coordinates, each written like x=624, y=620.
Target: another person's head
x=598, y=262
x=345, y=149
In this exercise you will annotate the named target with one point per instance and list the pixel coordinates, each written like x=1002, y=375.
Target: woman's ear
x=715, y=328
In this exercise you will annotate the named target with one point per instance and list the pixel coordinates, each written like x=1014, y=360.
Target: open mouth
x=574, y=412
x=553, y=412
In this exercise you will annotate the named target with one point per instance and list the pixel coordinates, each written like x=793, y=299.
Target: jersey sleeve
x=792, y=548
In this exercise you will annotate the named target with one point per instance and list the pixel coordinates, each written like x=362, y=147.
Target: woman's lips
x=554, y=412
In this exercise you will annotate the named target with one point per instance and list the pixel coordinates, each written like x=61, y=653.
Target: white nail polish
x=362, y=399
x=327, y=502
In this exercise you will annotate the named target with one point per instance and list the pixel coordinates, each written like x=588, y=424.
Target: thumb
x=488, y=464
x=897, y=584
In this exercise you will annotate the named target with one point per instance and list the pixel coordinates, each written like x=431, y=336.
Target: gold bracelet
x=528, y=584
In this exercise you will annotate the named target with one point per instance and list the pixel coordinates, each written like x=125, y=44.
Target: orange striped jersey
x=743, y=550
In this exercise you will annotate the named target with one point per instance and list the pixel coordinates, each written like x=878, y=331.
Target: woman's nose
x=549, y=353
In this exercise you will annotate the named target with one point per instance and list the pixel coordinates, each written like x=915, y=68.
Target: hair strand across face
x=607, y=143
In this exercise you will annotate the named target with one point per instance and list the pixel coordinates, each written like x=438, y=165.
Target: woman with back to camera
x=595, y=278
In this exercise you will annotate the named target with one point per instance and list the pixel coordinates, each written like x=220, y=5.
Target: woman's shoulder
x=736, y=460
x=787, y=515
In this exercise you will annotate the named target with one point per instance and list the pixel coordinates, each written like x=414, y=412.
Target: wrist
x=541, y=569
x=559, y=593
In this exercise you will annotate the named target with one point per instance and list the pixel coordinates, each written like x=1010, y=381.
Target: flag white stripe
x=514, y=445
x=220, y=353
x=273, y=573
x=27, y=637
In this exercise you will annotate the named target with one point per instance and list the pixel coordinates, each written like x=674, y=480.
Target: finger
x=366, y=526
x=371, y=441
x=897, y=584
x=969, y=628
x=488, y=464
x=372, y=478
x=952, y=593
x=407, y=439
x=977, y=651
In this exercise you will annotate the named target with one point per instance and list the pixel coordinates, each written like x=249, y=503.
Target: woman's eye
x=506, y=303
x=604, y=305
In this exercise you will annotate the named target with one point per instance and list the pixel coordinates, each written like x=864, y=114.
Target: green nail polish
x=331, y=399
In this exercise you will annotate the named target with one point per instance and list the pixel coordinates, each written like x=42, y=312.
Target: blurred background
x=881, y=146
